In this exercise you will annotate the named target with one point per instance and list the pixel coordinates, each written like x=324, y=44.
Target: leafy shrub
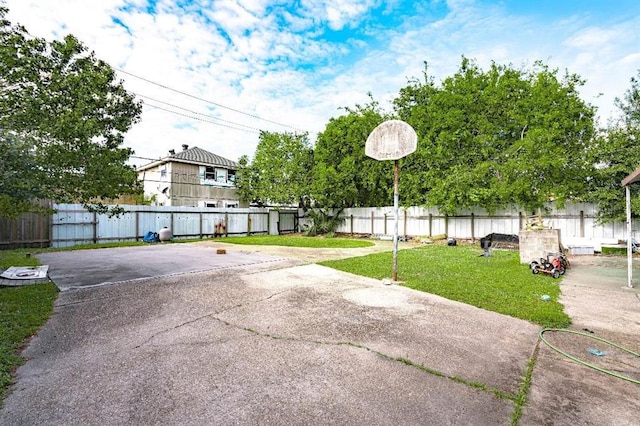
x=324, y=222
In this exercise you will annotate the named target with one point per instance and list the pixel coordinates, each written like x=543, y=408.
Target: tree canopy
x=279, y=172
x=495, y=138
x=615, y=152
x=63, y=117
x=342, y=175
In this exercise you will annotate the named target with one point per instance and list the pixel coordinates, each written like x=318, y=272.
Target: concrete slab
x=245, y=345
x=86, y=268
x=261, y=338
x=564, y=391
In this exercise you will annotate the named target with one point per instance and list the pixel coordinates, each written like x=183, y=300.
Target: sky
x=213, y=73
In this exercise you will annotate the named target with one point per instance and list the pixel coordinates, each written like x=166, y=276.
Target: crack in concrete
x=210, y=314
x=475, y=385
x=518, y=399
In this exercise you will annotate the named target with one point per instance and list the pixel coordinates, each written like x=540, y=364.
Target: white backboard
x=391, y=140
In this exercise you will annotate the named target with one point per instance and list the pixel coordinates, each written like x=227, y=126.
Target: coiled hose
x=579, y=361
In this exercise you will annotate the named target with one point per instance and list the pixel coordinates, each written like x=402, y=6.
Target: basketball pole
x=396, y=202
x=392, y=140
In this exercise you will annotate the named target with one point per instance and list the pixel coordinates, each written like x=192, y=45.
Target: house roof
x=194, y=155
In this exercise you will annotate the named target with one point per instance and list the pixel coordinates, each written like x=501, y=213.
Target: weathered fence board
x=576, y=221
x=28, y=231
x=73, y=225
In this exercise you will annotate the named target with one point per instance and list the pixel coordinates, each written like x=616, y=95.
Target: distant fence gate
x=73, y=225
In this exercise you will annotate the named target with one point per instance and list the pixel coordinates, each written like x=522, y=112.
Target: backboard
x=391, y=140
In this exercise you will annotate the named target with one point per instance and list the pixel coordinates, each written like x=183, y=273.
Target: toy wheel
x=562, y=271
x=533, y=264
x=535, y=269
x=555, y=273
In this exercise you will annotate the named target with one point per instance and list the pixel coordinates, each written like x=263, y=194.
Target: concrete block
x=535, y=244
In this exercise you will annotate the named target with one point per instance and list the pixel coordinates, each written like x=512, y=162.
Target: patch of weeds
x=521, y=398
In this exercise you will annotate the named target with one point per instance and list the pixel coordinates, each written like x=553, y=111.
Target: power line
x=203, y=120
x=145, y=158
x=206, y=100
x=195, y=112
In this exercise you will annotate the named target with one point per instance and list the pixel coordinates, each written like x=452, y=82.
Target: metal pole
x=396, y=178
x=629, y=241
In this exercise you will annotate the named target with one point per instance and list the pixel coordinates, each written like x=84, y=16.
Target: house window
x=209, y=173
x=232, y=176
x=221, y=175
x=163, y=172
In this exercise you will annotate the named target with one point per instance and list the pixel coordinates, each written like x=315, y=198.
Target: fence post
x=430, y=224
x=200, y=220
x=581, y=223
x=351, y=224
x=51, y=229
x=385, y=224
x=446, y=225
x=248, y=224
x=520, y=226
x=226, y=224
x=95, y=228
x=137, y=224
x=171, y=225
x=473, y=235
x=405, y=224
x=372, y=223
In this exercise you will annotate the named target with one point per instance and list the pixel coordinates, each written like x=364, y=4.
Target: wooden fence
x=31, y=230
x=73, y=225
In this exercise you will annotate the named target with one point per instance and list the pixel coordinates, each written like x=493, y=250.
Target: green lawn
x=297, y=241
x=498, y=283
x=23, y=310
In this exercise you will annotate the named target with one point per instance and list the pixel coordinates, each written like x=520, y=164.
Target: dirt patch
x=311, y=255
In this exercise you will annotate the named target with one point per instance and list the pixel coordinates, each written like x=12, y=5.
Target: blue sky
x=215, y=71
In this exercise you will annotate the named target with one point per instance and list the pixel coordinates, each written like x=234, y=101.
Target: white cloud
x=264, y=58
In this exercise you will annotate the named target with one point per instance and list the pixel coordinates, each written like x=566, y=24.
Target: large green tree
x=615, y=154
x=342, y=175
x=63, y=116
x=495, y=138
x=279, y=172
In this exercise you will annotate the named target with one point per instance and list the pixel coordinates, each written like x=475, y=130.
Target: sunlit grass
x=23, y=310
x=498, y=283
x=297, y=241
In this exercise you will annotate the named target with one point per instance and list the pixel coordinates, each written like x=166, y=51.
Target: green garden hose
x=579, y=361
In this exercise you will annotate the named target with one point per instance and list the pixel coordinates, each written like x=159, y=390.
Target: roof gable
x=194, y=155
x=201, y=156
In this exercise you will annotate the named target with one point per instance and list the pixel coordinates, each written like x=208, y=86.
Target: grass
x=618, y=251
x=297, y=241
x=23, y=310
x=498, y=283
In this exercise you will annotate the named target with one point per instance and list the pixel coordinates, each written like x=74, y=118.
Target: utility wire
x=203, y=120
x=195, y=112
x=207, y=101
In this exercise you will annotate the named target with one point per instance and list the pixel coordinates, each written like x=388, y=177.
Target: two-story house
x=192, y=177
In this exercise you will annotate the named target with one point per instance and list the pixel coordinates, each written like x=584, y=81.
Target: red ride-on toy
x=555, y=264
